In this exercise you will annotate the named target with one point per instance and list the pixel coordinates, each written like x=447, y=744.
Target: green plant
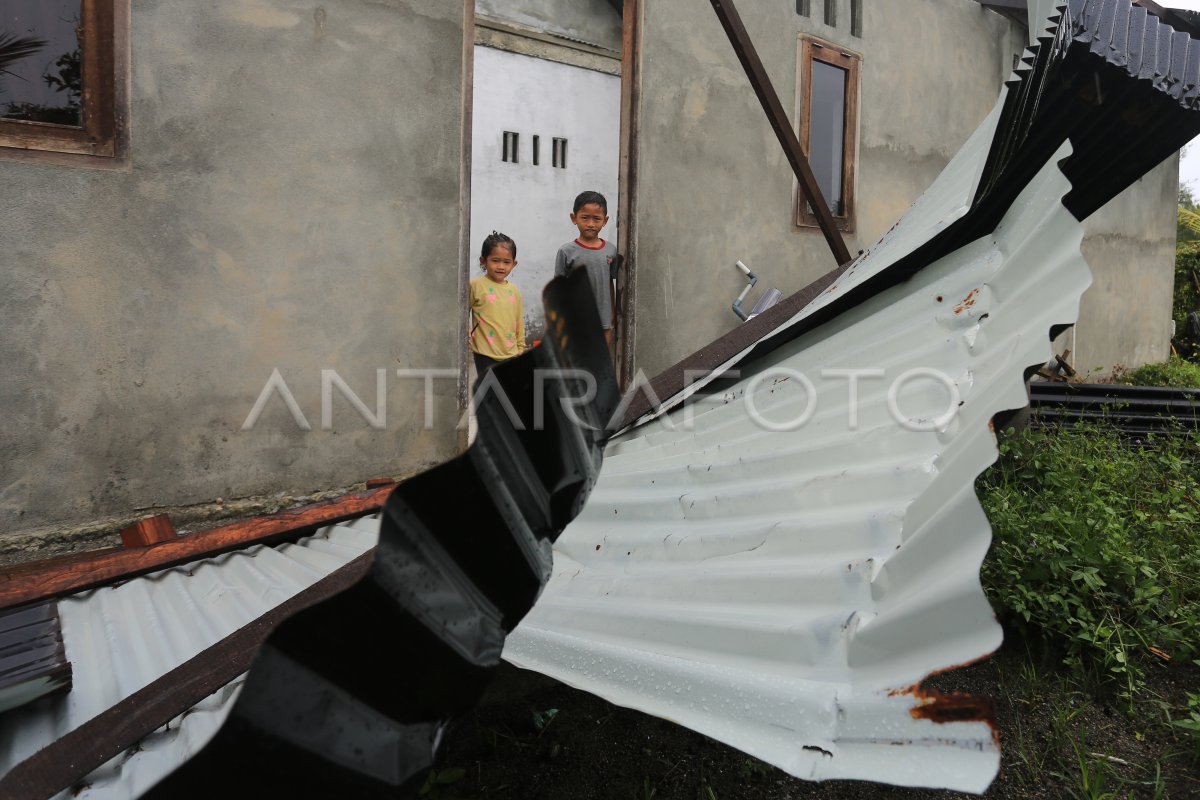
x=1097, y=549
x=1094, y=773
x=753, y=768
x=1186, y=294
x=648, y=791
x=542, y=719
x=437, y=780
x=705, y=791
x=1191, y=722
x=1175, y=371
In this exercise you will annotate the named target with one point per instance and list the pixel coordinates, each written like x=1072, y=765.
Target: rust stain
x=945, y=707
x=967, y=302
x=953, y=707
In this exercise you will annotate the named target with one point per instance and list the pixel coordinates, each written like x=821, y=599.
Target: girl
x=497, y=314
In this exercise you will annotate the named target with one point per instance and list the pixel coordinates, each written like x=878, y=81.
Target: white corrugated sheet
x=780, y=590
x=946, y=201
x=121, y=638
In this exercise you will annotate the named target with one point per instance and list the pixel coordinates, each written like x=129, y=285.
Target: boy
x=590, y=215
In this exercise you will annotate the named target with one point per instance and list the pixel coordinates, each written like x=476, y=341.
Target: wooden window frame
x=101, y=140
x=809, y=49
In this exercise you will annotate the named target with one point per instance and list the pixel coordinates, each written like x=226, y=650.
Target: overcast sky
x=1189, y=168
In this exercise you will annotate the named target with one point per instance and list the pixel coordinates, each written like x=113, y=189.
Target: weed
x=705, y=791
x=542, y=719
x=1186, y=298
x=647, y=792
x=1093, y=775
x=437, y=781
x=753, y=768
x=1097, y=549
x=1176, y=371
x=1191, y=722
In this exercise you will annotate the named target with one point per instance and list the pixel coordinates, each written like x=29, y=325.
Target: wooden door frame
x=625, y=333
x=464, y=217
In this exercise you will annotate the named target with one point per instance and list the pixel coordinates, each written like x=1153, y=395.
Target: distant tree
x=1187, y=225
x=1186, y=198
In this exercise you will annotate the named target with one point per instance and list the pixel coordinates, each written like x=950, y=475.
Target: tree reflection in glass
x=41, y=76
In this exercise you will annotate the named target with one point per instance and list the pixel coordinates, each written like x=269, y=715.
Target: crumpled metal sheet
x=783, y=591
x=121, y=638
x=786, y=591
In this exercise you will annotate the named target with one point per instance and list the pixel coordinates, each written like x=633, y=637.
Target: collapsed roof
x=781, y=587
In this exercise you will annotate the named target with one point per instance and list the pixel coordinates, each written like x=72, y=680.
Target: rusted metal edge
x=935, y=705
x=59, y=765
x=731, y=21
x=40, y=580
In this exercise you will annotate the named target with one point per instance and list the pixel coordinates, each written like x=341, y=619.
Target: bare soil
x=1057, y=742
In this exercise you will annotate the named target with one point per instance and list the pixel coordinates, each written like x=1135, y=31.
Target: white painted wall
x=531, y=203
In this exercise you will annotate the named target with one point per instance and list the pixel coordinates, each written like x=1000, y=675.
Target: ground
x=532, y=738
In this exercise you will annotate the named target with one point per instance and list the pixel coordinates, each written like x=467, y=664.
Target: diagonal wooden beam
x=732, y=22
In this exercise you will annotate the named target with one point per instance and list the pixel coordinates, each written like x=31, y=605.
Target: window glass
x=40, y=69
x=826, y=135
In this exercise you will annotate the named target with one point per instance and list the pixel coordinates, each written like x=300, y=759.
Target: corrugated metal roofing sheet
x=781, y=590
x=121, y=638
x=786, y=590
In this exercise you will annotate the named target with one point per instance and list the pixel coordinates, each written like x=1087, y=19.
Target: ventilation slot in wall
x=560, y=153
x=511, y=147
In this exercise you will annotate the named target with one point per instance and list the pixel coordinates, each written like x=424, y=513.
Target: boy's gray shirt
x=599, y=267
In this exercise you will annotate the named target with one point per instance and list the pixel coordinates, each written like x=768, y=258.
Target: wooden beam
x=148, y=531
x=39, y=580
x=781, y=124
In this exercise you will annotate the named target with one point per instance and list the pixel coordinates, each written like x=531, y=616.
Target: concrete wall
x=713, y=184
x=293, y=203
x=1125, y=317
x=592, y=21
x=532, y=202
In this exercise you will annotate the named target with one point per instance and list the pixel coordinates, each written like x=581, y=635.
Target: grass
x=1096, y=565
x=1097, y=549
x=1177, y=372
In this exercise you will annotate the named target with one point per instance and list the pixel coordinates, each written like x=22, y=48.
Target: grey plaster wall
x=293, y=203
x=714, y=187
x=592, y=21
x=1125, y=316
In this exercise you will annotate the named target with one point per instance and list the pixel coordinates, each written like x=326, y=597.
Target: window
x=804, y=7
x=856, y=14
x=511, y=147
x=62, y=79
x=560, y=153
x=828, y=102
x=831, y=13
x=537, y=146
